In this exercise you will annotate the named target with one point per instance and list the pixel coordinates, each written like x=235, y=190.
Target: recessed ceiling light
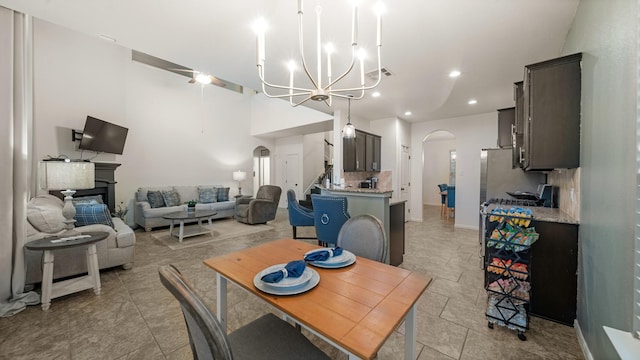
x=407, y=113
x=472, y=102
x=454, y=73
x=375, y=94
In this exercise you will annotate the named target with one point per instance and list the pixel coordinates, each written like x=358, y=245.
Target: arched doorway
x=261, y=167
x=438, y=167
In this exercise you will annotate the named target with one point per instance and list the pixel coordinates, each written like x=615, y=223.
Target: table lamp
x=239, y=176
x=67, y=175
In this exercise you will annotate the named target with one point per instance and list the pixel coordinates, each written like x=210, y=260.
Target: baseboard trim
x=582, y=341
x=468, y=227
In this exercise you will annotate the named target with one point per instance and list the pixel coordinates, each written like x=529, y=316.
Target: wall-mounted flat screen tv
x=101, y=136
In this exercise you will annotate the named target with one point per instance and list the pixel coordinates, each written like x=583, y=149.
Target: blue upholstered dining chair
x=330, y=214
x=298, y=214
x=451, y=200
x=364, y=236
x=443, y=198
x=268, y=337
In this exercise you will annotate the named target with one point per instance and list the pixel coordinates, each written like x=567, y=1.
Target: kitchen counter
x=543, y=214
x=356, y=190
x=366, y=201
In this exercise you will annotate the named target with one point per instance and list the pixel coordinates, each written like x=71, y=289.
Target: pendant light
x=349, y=131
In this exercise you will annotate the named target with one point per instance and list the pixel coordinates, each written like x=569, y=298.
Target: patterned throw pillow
x=88, y=214
x=91, y=199
x=207, y=195
x=223, y=194
x=155, y=199
x=171, y=198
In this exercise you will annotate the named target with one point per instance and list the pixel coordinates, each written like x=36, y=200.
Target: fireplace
x=105, y=185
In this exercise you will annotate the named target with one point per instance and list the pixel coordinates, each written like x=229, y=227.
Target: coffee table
x=194, y=230
x=51, y=290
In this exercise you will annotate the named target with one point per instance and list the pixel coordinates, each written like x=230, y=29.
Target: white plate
x=287, y=282
x=345, y=259
x=262, y=286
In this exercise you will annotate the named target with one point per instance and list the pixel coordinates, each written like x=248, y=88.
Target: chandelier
x=321, y=91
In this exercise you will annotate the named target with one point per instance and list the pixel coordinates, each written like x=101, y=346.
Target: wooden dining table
x=355, y=308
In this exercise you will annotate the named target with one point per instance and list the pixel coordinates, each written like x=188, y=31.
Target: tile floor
x=136, y=318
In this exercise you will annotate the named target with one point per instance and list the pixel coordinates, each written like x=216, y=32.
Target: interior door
x=405, y=180
x=291, y=174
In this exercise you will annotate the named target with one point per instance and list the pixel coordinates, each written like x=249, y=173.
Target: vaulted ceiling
x=489, y=41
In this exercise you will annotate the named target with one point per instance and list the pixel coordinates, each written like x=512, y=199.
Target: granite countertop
x=543, y=214
x=356, y=190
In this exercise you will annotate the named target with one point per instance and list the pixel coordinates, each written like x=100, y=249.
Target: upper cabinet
x=551, y=111
x=517, y=136
x=506, y=122
x=362, y=153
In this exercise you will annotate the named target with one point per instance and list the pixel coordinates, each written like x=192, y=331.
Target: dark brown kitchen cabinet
x=397, y=233
x=362, y=153
x=554, y=267
x=552, y=114
x=517, y=136
x=506, y=122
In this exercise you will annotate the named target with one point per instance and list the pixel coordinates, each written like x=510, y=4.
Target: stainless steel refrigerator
x=497, y=176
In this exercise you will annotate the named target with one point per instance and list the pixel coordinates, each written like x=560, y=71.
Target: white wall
x=270, y=115
x=606, y=34
x=435, y=169
x=473, y=133
x=312, y=158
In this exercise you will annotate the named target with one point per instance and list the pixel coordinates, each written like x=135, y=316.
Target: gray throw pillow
x=171, y=198
x=91, y=199
x=223, y=194
x=155, y=199
x=207, y=195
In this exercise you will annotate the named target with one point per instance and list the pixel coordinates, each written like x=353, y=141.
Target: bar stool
x=443, y=198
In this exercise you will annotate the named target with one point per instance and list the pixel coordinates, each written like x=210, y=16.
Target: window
x=452, y=167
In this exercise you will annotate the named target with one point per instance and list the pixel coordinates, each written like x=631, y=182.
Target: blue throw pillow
x=223, y=194
x=207, y=195
x=155, y=199
x=88, y=214
x=171, y=198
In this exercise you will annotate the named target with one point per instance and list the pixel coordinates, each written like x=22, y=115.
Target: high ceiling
x=489, y=41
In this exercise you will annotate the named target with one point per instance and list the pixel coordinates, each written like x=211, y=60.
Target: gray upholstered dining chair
x=268, y=337
x=364, y=236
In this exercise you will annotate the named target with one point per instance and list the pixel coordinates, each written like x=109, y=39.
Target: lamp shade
x=239, y=175
x=62, y=175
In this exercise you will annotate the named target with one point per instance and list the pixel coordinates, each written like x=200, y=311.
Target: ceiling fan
x=194, y=75
x=205, y=79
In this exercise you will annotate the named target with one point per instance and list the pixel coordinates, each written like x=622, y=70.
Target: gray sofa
x=44, y=218
x=149, y=218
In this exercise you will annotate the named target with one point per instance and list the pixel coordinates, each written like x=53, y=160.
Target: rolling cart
x=508, y=239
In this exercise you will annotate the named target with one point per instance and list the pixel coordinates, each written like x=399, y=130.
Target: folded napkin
x=322, y=255
x=293, y=269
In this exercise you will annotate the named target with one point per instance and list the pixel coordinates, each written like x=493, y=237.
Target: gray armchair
x=260, y=209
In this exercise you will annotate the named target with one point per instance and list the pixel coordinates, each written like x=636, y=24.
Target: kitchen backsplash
x=565, y=180
x=353, y=179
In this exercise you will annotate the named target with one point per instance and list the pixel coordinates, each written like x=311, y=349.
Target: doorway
x=261, y=167
x=438, y=165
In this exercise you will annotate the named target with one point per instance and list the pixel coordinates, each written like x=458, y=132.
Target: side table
x=51, y=290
